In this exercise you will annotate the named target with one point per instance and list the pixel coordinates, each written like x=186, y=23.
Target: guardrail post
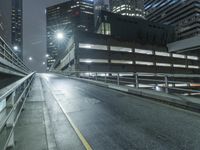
x=96, y=76
x=105, y=78
x=166, y=84
x=11, y=120
x=118, y=82
x=11, y=142
x=136, y=81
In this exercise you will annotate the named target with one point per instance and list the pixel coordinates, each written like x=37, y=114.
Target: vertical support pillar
x=136, y=81
x=166, y=85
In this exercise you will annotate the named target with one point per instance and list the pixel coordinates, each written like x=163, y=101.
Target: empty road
x=112, y=120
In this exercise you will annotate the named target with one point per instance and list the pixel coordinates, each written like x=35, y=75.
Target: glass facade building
x=5, y=21
x=17, y=27
x=184, y=15
x=128, y=7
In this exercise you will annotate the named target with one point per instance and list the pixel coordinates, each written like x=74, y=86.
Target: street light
x=30, y=58
x=47, y=55
x=59, y=35
x=43, y=63
x=15, y=48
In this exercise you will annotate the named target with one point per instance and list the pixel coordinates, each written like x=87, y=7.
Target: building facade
x=128, y=7
x=17, y=27
x=5, y=20
x=184, y=15
x=89, y=52
x=65, y=17
x=134, y=29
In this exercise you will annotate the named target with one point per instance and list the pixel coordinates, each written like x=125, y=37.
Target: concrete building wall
x=100, y=53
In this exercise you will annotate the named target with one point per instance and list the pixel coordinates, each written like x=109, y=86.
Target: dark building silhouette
x=64, y=18
x=134, y=29
x=184, y=15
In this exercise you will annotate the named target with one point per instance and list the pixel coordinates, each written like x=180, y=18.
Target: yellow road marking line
x=78, y=132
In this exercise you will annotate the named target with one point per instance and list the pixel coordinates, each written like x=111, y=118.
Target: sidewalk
x=30, y=131
x=42, y=125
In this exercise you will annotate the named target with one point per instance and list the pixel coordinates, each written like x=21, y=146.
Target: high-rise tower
x=5, y=20
x=17, y=27
x=128, y=7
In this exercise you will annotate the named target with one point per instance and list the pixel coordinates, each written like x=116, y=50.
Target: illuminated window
x=144, y=63
x=179, y=66
x=120, y=49
x=121, y=62
x=142, y=51
x=89, y=61
x=162, y=54
x=193, y=57
x=163, y=64
x=178, y=56
x=92, y=46
x=193, y=67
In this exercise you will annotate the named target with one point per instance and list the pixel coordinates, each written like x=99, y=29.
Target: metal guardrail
x=168, y=83
x=12, y=100
x=8, y=55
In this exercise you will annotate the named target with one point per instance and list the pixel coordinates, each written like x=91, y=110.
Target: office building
x=5, y=20
x=184, y=15
x=17, y=27
x=63, y=19
x=128, y=7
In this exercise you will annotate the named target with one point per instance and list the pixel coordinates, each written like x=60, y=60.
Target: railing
x=7, y=55
x=12, y=100
x=185, y=84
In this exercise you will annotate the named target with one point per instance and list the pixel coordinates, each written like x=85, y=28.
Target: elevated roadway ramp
x=87, y=116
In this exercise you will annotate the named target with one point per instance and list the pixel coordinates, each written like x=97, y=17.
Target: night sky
x=35, y=32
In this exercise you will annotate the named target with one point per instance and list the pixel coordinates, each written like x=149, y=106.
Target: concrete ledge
x=177, y=100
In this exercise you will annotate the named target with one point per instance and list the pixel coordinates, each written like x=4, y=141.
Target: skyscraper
x=184, y=15
x=62, y=19
x=5, y=20
x=17, y=27
x=128, y=7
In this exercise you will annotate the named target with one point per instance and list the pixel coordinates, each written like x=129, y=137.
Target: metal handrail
x=14, y=97
x=137, y=78
x=7, y=54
